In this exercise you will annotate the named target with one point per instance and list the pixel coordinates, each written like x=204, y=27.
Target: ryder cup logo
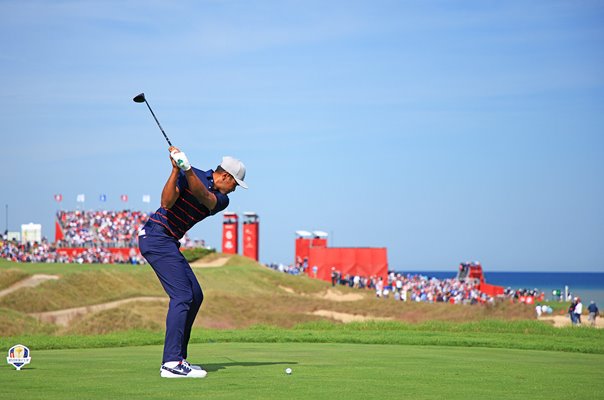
x=18, y=356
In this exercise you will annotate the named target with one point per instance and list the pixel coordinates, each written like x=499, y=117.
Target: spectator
x=379, y=287
x=571, y=311
x=578, y=310
x=593, y=313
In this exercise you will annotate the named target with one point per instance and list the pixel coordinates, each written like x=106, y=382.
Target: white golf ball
x=288, y=371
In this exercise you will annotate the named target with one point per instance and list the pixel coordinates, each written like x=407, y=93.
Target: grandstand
x=104, y=236
x=113, y=229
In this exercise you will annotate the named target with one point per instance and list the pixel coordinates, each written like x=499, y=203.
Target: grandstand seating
x=98, y=228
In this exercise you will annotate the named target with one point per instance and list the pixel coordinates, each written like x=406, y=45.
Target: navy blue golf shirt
x=187, y=211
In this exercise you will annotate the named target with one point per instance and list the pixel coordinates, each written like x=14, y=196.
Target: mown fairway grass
x=320, y=371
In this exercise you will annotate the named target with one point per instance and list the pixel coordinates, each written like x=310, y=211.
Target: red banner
x=250, y=240
x=75, y=251
x=230, y=240
x=58, y=232
x=361, y=261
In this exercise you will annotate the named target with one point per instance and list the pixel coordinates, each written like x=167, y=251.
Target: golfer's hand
x=180, y=159
x=170, y=150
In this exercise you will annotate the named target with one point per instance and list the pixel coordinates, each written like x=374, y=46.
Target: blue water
x=586, y=285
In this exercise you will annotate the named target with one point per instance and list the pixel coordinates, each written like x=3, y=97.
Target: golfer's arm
x=170, y=192
x=201, y=193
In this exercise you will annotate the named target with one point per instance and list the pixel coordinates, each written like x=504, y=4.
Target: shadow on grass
x=218, y=367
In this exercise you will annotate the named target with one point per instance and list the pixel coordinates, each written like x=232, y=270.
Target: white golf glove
x=181, y=160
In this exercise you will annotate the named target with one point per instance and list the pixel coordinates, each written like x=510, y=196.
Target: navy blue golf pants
x=179, y=282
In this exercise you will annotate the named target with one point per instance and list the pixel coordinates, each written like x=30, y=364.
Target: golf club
x=141, y=99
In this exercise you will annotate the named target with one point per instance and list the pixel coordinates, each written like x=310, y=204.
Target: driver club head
x=139, y=98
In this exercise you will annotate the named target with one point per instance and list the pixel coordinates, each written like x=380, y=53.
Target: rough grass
x=11, y=276
x=197, y=253
x=136, y=316
x=241, y=296
x=84, y=288
x=64, y=269
x=14, y=323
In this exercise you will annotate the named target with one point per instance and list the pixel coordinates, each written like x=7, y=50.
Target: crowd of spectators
x=528, y=296
x=42, y=252
x=421, y=288
x=417, y=287
x=288, y=269
x=46, y=252
x=88, y=237
x=100, y=228
x=402, y=287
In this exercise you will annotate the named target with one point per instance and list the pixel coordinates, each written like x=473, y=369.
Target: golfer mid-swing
x=189, y=196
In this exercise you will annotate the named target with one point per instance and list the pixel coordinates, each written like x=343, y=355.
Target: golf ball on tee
x=288, y=371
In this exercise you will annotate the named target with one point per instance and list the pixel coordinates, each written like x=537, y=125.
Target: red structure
x=361, y=261
x=230, y=229
x=125, y=252
x=251, y=235
x=312, y=250
x=305, y=241
x=472, y=272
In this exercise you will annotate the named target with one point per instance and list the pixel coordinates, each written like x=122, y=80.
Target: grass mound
x=120, y=319
x=83, y=289
x=14, y=323
x=248, y=302
x=197, y=253
x=8, y=277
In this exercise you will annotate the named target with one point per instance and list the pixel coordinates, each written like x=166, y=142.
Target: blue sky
x=444, y=131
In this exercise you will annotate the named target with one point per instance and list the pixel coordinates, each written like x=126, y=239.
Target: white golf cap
x=236, y=168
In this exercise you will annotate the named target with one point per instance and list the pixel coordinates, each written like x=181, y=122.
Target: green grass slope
x=248, y=302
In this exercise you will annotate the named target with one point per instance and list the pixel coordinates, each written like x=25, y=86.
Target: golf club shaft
x=158, y=124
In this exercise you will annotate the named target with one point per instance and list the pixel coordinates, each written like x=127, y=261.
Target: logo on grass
x=18, y=356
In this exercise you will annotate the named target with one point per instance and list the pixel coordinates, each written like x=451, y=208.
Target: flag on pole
x=124, y=197
x=146, y=198
x=58, y=197
x=81, y=198
x=103, y=197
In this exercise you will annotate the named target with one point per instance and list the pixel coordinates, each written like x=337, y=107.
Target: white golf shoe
x=180, y=369
x=192, y=366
